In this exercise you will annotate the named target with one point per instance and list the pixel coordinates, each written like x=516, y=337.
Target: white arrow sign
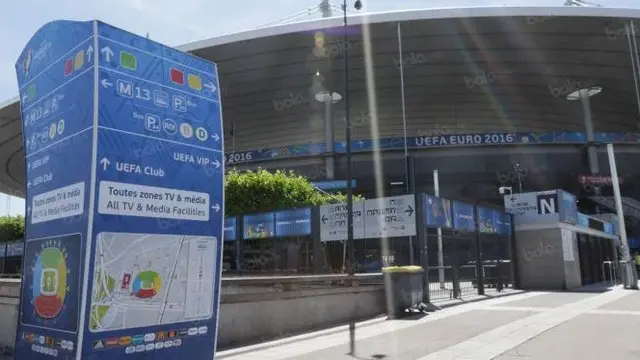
x=29, y=184
x=216, y=163
x=210, y=86
x=216, y=207
x=215, y=137
x=25, y=97
x=107, y=52
x=90, y=52
x=105, y=83
x=105, y=162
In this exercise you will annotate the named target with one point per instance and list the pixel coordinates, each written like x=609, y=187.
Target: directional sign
x=123, y=147
x=390, y=216
x=333, y=221
x=372, y=218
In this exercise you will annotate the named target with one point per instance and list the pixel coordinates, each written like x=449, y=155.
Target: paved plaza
x=593, y=323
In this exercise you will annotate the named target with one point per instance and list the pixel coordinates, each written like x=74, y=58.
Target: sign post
x=123, y=154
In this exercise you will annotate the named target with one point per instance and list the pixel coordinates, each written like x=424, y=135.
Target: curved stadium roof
x=529, y=56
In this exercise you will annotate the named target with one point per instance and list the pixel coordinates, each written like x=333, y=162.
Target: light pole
x=516, y=169
x=350, y=241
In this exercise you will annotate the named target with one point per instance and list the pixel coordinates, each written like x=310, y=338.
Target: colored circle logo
x=49, y=283
x=202, y=134
x=52, y=131
x=147, y=284
x=186, y=130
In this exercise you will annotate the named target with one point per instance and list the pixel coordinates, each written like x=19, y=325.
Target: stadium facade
x=489, y=97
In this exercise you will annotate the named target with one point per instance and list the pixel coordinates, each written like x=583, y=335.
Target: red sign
x=597, y=180
x=176, y=76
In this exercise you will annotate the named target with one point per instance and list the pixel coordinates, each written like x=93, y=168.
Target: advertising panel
x=437, y=212
x=463, y=217
x=15, y=249
x=568, y=207
x=123, y=245
x=259, y=226
x=503, y=223
x=294, y=222
x=487, y=220
x=230, y=228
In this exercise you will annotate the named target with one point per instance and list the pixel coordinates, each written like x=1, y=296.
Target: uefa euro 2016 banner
x=123, y=246
x=419, y=142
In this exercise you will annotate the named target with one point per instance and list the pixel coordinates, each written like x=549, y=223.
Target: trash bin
x=404, y=286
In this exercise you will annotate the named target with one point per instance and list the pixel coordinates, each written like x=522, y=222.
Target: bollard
x=499, y=284
x=456, y=281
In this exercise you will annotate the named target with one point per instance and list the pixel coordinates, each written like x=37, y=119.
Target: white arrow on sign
x=210, y=86
x=215, y=137
x=25, y=97
x=105, y=83
x=107, y=52
x=29, y=184
x=216, y=207
x=90, y=52
x=216, y=163
x=104, y=162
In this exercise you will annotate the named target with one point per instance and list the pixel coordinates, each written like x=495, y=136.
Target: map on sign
x=149, y=279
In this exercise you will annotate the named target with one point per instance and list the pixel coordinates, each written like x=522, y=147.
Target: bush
x=11, y=228
x=260, y=191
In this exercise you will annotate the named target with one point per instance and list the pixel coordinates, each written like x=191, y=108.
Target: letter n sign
x=547, y=203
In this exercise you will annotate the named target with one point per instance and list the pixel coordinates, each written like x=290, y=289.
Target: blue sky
x=177, y=22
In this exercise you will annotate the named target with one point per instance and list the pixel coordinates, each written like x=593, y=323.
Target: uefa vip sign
x=123, y=148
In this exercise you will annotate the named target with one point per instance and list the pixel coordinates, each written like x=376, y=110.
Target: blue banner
x=295, y=222
x=134, y=222
x=15, y=249
x=432, y=141
x=608, y=228
x=333, y=185
x=463, y=217
x=230, y=229
x=259, y=226
x=437, y=212
x=568, y=207
x=583, y=220
x=503, y=223
x=487, y=220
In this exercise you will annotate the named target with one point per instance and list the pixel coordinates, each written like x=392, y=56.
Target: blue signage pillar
x=123, y=155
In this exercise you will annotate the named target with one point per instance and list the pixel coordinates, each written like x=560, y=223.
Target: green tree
x=11, y=228
x=260, y=190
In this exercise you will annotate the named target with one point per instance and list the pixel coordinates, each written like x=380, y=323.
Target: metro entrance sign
x=372, y=218
x=124, y=162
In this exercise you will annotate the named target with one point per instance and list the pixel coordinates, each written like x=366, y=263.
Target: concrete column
x=328, y=137
x=588, y=128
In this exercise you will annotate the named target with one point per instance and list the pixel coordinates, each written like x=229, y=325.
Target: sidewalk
x=590, y=324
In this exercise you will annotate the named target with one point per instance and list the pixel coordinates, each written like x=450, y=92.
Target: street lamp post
x=350, y=240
